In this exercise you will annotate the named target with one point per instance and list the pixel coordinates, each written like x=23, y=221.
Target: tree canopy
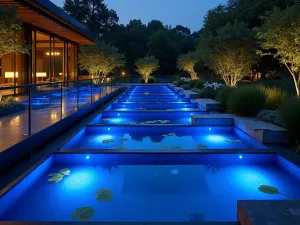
x=10, y=28
x=92, y=13
x=100, y=59
x=280, y=37
x=147, y=65
x=187, y=63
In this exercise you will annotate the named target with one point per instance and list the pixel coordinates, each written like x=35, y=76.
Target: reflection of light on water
x=214, y=138
x=79, y=179
x=249, y=178
x=116, y=120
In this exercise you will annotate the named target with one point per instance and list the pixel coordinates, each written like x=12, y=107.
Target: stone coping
x=259, y=130
x=210, y=104
x=273, y=212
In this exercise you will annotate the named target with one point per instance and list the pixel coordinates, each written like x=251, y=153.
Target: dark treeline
x=166, y=43
x=135, y=39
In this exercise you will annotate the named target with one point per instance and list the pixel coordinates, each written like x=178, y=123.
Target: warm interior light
x=10, y=74
x=53, y=53
x=41, y=74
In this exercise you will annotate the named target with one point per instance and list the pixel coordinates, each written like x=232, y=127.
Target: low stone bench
x=259, y=130
x=190, y=94
x=263, y=212
x=209, y=104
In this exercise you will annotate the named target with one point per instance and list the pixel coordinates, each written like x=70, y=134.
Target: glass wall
x=42, y=59
x=72, y=62
x=58, y=60
x=51, y=59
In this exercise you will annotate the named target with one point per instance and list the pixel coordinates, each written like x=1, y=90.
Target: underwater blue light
x=44, y=96
x=118, y=114
x=215, y=138
x=87, y=157
x=108, y=128
x=209, y=128
x=240, y=156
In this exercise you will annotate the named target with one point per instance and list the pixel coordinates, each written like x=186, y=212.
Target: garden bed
x=9, y=106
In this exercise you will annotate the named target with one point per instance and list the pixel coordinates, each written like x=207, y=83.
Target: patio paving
x=15, y=127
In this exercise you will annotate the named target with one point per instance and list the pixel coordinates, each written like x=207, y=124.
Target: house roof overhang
x=47, y=16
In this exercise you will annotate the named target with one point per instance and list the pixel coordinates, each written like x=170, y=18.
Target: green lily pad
x=172, y=134
x=200, y=146
x=55, y=177
x=120, y=147
x=124, y=139
x=83, y=213
x=65, y=171
x=104, y=195
x=175, y=147
x=231, y=141
x=108, y=141
x=268, y=190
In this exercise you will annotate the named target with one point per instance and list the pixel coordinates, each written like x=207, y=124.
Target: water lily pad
x=268, y=190
x=124, y=139
x=200, y=146
x=175, y=147
x=120, y=147
x=55, y=177
x=65, y=171
x=231, y=141
x=83, y=213
x=106, y=141
x=172, y=134
x=104, y=195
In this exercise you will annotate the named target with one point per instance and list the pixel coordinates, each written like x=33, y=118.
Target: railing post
x=110, y=85
x=77, y=94
x=29, y=111
x=91, y=91
x=61, y=101
x=100, y=89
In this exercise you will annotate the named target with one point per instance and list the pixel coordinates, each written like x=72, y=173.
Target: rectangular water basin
x=153, y=100
x=154, y=106
x=148, y=187
x=161, y=138
x=138, y=117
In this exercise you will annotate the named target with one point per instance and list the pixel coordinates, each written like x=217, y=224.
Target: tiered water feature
x=141, y=160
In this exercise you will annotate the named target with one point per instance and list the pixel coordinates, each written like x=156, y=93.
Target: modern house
x=54, y=37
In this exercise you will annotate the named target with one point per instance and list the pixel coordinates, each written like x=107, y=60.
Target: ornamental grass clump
x=290, y=111
x=274, y=96
x=224, y=95
x=247, y=101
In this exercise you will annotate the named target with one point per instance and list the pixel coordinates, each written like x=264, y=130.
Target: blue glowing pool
x=161, y=138
x=142, y=117
x=147, y=188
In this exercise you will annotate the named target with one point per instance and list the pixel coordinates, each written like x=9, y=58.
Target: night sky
x=188, y=13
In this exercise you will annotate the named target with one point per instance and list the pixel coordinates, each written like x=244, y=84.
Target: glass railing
x=28, y=109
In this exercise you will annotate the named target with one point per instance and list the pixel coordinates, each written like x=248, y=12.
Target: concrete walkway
x=15, y=127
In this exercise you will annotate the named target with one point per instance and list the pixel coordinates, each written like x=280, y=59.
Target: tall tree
x=10, y=28
x=230, y=53
x=92, y=13
x=280, y=32
x=165, y=50
x=100, y=59
x=187, y=62
x=145, y=66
